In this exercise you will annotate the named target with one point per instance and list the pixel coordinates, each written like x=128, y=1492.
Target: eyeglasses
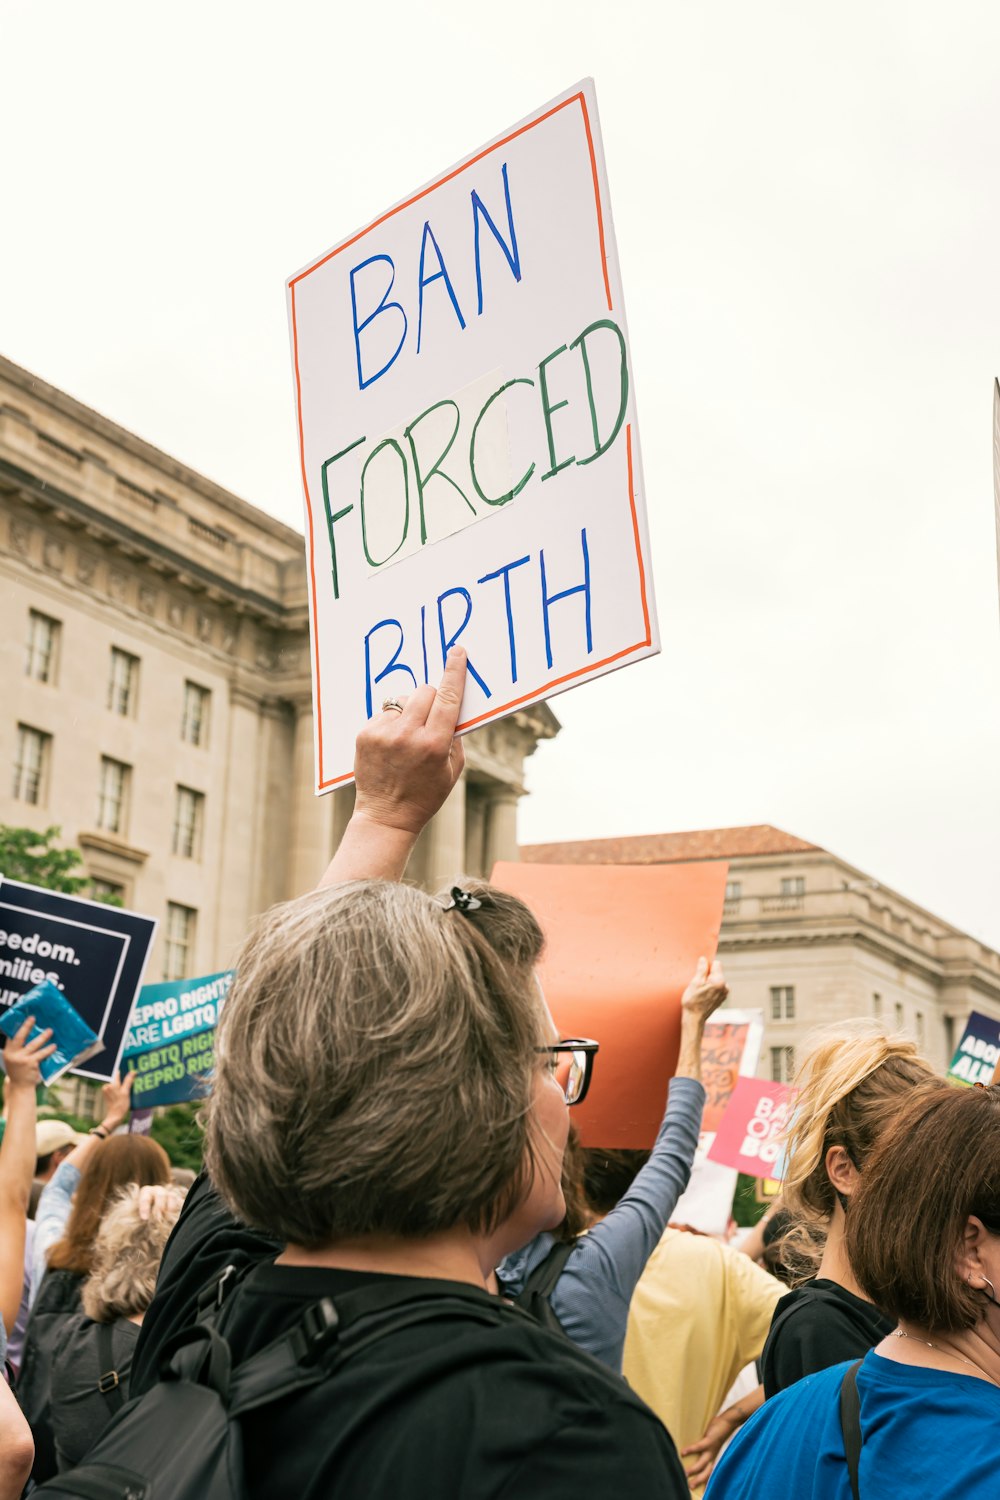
x=571, y=1063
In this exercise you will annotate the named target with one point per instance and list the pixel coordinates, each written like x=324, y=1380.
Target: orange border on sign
x=581, y=671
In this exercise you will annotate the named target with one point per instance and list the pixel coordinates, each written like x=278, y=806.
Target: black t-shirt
x=816, y=1326
x=457, y=1409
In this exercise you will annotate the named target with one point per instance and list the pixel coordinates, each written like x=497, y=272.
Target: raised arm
x=17, y=1160
x=56, y=1202
x=591, y=1298
x=706, y=992
x=406, y=764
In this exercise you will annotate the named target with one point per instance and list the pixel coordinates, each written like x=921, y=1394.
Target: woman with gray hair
x=387, y=1121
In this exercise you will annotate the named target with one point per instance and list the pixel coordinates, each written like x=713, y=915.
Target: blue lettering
x=511, y=253
x=393, y=665
x=580, y=588
x=383, y=307
x=441, y=274
x=447, y=641
x=505, y=573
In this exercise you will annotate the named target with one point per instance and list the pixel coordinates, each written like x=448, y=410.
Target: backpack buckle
x=221, y=1287
x=211, y=1297
x=318, y=1324
x=108, y=1382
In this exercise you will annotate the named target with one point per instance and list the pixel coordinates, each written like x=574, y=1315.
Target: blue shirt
x=926, y=1435
x=591, y=1298
x=51, y=1218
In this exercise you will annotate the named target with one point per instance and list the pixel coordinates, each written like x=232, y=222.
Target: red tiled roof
x=665, y=848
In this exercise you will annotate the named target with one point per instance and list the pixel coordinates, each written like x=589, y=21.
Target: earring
x=993, y=1290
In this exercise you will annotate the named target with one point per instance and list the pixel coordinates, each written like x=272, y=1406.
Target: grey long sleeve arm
x=591, y=1298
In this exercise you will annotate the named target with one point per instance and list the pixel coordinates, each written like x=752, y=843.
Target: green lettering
x=500, y=499
x=385, y=443
x=548, y=407
x=581, y=342
x=423, y=480
x=332, y=519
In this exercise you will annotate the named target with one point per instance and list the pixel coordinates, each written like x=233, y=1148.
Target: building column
x=310, y=835
x=240, y=849
x=501, y=827
x=444, y=852
x=475, y=831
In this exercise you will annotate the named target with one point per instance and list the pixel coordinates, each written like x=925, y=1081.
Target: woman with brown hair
x=918, y=1416
x=112, y=1165
x=388, y=1119
x=70, y=1211
x=850, y=1088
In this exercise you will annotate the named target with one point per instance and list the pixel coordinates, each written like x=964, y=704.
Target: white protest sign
x=996, y=466
x=468, y=438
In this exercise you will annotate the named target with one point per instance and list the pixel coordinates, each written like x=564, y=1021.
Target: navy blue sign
x=94, y=953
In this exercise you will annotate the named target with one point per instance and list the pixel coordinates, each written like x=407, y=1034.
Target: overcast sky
x=807, y=206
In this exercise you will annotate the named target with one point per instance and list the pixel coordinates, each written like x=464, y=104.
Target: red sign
x=749, y=1133
x=621, y=944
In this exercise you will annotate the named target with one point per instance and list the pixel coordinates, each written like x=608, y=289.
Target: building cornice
x=130, y=542
x=37, y=390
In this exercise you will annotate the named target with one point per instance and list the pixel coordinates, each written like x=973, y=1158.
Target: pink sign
x=749, y=1134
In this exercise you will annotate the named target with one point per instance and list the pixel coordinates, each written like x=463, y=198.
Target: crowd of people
x=402, y=1273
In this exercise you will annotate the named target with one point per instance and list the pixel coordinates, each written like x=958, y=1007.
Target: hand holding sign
x=24, y=1054
x=117, y=1101
x=706, y=992
x=407, y=758
x=407, y=761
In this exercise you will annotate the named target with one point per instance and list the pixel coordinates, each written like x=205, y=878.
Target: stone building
x=154, y=641
x=808, y=938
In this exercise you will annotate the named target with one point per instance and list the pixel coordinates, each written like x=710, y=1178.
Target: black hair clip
x=462, y=901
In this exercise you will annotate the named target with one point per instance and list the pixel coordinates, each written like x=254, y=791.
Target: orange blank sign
x=622, y=941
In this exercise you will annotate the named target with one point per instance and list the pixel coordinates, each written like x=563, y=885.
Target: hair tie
x=462, y=901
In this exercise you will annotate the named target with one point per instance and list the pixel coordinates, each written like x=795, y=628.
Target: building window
x=108, y=891
x=123, y=683
x=194, y=720
x=31, y=765
x=877, y=1005
x=783, y=1003
x=782, y=1064
x=900, y=1018
x=188, y=809
x=112, y=797
x=734, y=890
x=43, y=640
x=794, y=886
x=178, y=945
x=919, y=1026
x=78, y=1096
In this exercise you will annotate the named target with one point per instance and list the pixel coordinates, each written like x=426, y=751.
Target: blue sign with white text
x=170, y=1046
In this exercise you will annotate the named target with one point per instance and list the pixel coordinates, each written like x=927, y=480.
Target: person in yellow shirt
x=700, y=1315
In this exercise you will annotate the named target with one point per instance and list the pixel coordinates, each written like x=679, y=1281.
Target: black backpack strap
x=850, y=1422
x=108, y=1377
x=542, y=1280
x=302, y=1357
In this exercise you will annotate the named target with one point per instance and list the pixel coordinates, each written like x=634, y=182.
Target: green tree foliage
x=33, y=858
x=747, y=1206
x=179, y=1133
